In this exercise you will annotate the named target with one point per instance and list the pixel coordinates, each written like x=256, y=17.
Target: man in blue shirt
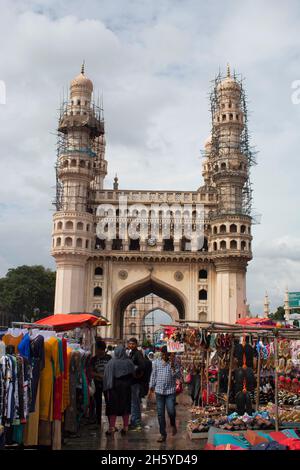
x=165, y=371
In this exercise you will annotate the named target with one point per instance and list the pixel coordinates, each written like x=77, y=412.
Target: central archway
x=141, y=289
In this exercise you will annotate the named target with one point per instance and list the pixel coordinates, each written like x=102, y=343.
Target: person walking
x=136, y=389
x=146, y=377
x=118, y=376
x=97, y=365
x=165, y=371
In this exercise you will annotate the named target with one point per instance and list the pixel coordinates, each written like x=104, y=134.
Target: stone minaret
x=266, y=306
x=80, y=166
x=227, y=164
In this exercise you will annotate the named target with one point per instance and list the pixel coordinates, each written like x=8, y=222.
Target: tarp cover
x=65, y=322
x=255, y=321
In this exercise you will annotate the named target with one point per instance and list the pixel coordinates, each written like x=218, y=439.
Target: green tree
x=278, y=315
x=26, y=289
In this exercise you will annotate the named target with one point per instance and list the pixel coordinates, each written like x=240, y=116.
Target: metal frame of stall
x=239, y=330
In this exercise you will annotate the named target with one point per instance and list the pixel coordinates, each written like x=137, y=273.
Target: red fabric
x=64, y=322
x=209, y=447
x=57, y=398
x=169, y=330
x=291, y=443
x=278, y=436
x=229, y=447
x=65, y=357
x=255, y=321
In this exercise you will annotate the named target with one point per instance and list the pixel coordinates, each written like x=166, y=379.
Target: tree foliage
x=278, y=315
x=25, y=289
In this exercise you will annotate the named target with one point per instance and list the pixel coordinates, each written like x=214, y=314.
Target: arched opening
x=243, y=228
x=204, y=246
x=134, y=244
x=68, y=241
x=97, y=292
x=243, y=245
x=203, y=274
x=79, y=243
x=99, y=244
x=202, y=294
x=98, y=271
x=59, y=226
x=73, y=162
x=202, y=316
x=133, y=329
x=142, y=289
x=223, y=228
x=215, y=246
x=223, y=245
x=185, y=244
x=117, y=244
x=215, y=230
x=58, y=241
x=69, y=225
x=233, y=245
x=133, y=312
x=79, y=226
x=233, y=228
x=168, y=244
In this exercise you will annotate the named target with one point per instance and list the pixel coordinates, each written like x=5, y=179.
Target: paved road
x=94, y=438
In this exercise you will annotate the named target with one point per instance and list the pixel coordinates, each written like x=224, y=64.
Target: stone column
x=230, y=292
x=70, y=284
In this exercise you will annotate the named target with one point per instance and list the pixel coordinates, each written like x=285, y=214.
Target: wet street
x=94, y=439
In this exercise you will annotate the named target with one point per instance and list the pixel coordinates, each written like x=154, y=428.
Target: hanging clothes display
x=44, y=385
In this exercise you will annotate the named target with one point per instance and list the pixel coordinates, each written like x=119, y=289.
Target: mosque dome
x=82, y=81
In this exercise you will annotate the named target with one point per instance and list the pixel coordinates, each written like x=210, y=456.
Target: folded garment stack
x=287, y=439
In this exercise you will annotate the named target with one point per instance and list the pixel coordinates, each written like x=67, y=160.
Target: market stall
x=44, y=378
x=241, y=377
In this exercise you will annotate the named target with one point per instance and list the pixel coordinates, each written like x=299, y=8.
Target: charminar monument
x=114, y=246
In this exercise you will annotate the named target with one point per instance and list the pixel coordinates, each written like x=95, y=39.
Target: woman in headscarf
x=118, y=374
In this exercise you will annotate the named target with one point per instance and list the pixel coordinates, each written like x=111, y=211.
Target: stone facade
x=107, y=276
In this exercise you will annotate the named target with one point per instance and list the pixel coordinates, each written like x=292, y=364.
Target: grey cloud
x=154, y=62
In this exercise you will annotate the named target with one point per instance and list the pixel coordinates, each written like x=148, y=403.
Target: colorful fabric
x=46, y=380
x=24, y=347
x=224, y=439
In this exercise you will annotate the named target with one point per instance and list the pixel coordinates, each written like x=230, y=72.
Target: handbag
x=179, y=387
x=188, y=378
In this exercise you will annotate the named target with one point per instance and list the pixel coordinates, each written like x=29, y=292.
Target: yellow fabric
x=31, y=430
x=47, y=379
x=11, y=340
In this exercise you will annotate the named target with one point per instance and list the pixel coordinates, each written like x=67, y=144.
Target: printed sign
x=175, y=346
x=294, y=299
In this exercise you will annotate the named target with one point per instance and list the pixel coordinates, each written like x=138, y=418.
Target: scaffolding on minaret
x=67, y=134
x=221, y=149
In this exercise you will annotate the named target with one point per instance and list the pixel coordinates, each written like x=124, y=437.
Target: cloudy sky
x=153, y=61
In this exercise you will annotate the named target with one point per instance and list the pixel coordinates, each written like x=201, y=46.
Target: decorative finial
x=116, y=182
x=82, y=68
x=228, y=70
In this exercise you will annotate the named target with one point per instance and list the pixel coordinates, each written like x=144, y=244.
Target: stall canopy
x=65, y=322
x=250, y=321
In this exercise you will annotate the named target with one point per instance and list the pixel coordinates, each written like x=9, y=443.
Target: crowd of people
x=125, y=375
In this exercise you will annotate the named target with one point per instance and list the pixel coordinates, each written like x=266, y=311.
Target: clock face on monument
x=152, y=241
